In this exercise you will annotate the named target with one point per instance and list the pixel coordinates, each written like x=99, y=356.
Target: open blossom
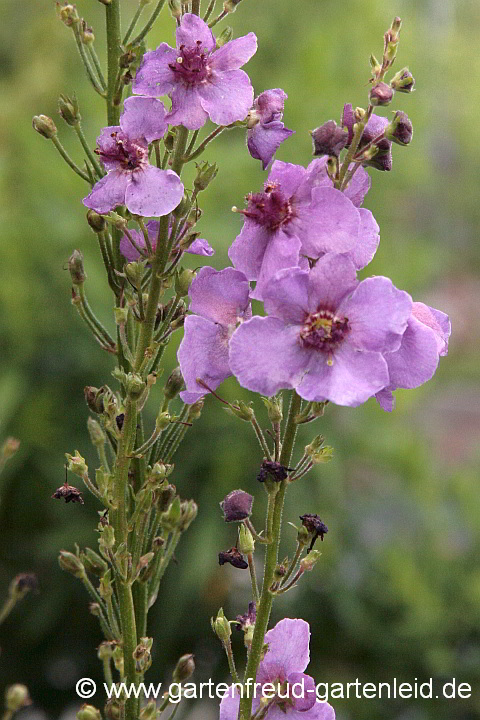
x=266, y=131
x=325, y=335
x=220, y=301
x=297, y=216
x=289, y=694
x=198, y=246
x=201, y=80
x=415, y=361
x=131, y=180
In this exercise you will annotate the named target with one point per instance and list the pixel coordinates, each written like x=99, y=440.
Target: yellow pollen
x=330, y=360
x=179, y=60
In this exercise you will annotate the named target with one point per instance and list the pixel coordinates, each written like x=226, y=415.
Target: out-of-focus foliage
x=397, y=591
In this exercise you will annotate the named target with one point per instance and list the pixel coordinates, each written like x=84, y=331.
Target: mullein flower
x=282, y=667
x=425, y=340
x=325, y=335
x=131, y=180
x=202, y=81
x=266, y=131
x=220, y=301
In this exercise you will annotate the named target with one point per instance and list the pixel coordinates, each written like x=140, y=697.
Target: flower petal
x=437, y=320
x=377, y=314
x=288, y=650
x=200, y=246
x=248, y=248
x=187, y=108
x=333, y=277
x=192, y=30
x=235, y=53
x=265, y=355
x=154, y=76
x=385, y=399
x=107, y=144
x=108, y=192
x=203, y=353
x=368, y=239
x=222, y=296
x=152, y=191
x=286, y=296
x=416, y=359
x=283, y=251
x=229, y=704
x=227, y=96
x=334, y=223
x=287, y=175
x=263, y=141
x=143, y=117
x=302, y=691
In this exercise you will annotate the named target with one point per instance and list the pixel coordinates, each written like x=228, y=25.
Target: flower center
x=128, y=153
x=191, y=65
x=272, y=208
x=324, y=331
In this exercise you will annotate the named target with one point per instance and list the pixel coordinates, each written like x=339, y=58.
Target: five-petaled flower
x=220, y=300
x=326, y=334
x=131, y=180
x=202, y=80
x=283, y=691
x=266, y=131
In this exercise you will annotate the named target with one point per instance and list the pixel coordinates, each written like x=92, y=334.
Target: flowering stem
x=296, y=558
x=223, y=14
x=192, y=142
x=253, y=577
x=204, y=144
x=261, y=437
x=68, y=159
x=210, y=9
x=95, y=322
x=97, y=65
x=271, y=557
x=146, y=29
x=196, y=7
x=134, y=21
x=86, y=61
x=353, y=147
x=91, y=156
x=231, y=661
x=112, y=13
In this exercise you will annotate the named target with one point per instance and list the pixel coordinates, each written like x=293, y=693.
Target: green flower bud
x=67, y=13
x=225, y=37
x=121, y=316
x=95, y=609
x=195, y=410
x=274, y=407
x=68, y=109
x=106, y=541
x=71, y=563
x=189, y=513
x=184, y=669
x=163, y=421
x=105, y=588
x=97, y=222
x=93, y=563
x=97, y=436
x=135, y=272
x=403, y=81
x=246, y=543
x=16, y=698
x=105, y=650
x=76, y=269
x=170, y=519
x=173, y=385
x=88, y=712
x=175, y=8
x=221, y=627
x=86, y=35
x=242, y=411
x=231, y=5
x=135, y=386
x=183, y=280
x=206, y=172
x=142, y=655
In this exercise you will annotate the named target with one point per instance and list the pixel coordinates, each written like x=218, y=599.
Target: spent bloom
x=201, y=80
x=285, y=692
x=299, y=214
x=266, y=131
x=131, y=180
x=198, y=247
x=325, y=334
x=220, y=301
x=415, y=361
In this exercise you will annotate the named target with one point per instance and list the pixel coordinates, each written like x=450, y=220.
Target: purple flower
x=374, y=128
x=266, y=131
x=291, y=694
x=237, y=506
x=201, y=80
x=298, y=214
x=325, y=335
x=220, y=300
x=131, y=180
x=198, y=247
x=415, y=362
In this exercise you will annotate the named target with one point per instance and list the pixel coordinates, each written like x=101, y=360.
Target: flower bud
x=329, y=139
x=16, y=698
x=274, y=407
x=142, y=655
x=88, y=712
x=71, y=563
x=173, y=385
x=68, y=109
x=105, y=650
x=135, y=386
x=171, y=517
x=221, y=627
x=195, y=410
x=86, y=34
x=381, y=94
x=231, y=5
x=105, y=587
x=95, y=609
x=242, y=411
x=93, y=563
x=403, y=81
x=135, y=272
x=22, y=584
x=165, y=497
x=234, y=557
x=97, y=222
x=205, y=174
x=224, y=37
x=76, y=269
x=97, y=436
x=106, y=541
x=183, y=280
x=44, y=126
x=400, y=130
x=175, y=8
x=237, y=506
x=114, y=709
x=184, y=669
x=189, y=513
x=246, y=543
x=67, y=13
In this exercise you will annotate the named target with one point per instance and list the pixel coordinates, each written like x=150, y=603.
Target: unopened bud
x=221, y=627
x=16, y=698
x=175, y=8
x=183, y=280
x=381, y=94
x=86, y=35
x=184, y=669
x=329, y=139
x=246, y=543
x=171, y=517
x=67, y=13
x=173, y=385
x=205, y=174
x=45, y=126
x=237, y=506
x=68, y=109
x=93, y=563
x=142, y=655
x=403, y=81
x=71, y=563
x=225, y=37
x=89, y=712
x=400, y=130
x=97, y=222
x=274, y=407
x=97, y=436
x=135, y=386
x=165, y=497
x=76, y=269
x=307, y=563
x=230, y=5
x=76, y=464
x=242, y=411
x=189, y=513
x=195, y=410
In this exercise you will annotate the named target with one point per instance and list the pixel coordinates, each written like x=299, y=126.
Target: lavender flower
x=415, y=362
x=131, y=180
x=201, y=80
x=220, y=300
x=298, y=215
x=325, y=335
x=374, y=128
x=198, y=247
x=283, y=668
x=266, y=131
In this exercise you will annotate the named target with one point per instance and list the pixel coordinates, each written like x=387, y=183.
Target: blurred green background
x=397, y=591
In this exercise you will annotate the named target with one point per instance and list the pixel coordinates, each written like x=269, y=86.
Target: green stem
x=261, y=437
x=196, y=7
x=296, y=558
x=91, y=156
x=86, y=61
x=134, y=21
x=129, y=637
x=112, y=14
x=97, y=65
x=7, y=608
x=266, y=599
x=353, y=147
x=223, y=14
x=204, y=144
x=93, y=319
x=107, y=671
x=253, y=577
x=149, y=24
x=210, y=9
x=231, y=662
x=162, y=566
x=68, y=159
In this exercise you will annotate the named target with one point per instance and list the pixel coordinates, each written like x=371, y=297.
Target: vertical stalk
x=112, y=12
x=271, y=558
